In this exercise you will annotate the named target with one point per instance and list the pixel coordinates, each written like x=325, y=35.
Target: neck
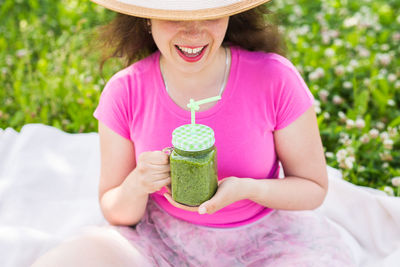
x=198, y=85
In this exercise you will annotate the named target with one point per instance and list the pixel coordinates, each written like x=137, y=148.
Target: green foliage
x=347, y=52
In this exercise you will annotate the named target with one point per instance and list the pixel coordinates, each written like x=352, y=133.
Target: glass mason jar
x=194, y=177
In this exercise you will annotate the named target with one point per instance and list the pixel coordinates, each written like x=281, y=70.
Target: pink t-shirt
x=264, y=93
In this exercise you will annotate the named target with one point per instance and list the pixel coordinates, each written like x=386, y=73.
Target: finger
x=154, y=157
x=217, y=202
x=221, y=181
x=159, y=167
x=158, y=176
x=161, y=183
x=159, y=158
x=178, y=205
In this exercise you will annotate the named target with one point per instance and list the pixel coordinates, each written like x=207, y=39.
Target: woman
x=195, y=50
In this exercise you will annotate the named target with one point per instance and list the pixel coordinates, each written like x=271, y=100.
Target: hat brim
x=164, y=14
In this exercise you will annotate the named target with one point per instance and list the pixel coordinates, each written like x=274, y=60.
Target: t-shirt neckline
x=166, y=100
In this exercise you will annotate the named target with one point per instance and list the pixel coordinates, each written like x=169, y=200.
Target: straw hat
x=180, y=9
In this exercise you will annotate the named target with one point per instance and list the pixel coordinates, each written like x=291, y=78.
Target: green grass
x=347, y=51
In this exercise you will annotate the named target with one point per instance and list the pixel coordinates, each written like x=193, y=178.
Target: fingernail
x=202, y=210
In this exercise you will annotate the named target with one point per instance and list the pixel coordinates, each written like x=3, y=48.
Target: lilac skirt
x=282, y=239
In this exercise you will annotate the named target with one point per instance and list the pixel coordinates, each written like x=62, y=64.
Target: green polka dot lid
x=193, y=137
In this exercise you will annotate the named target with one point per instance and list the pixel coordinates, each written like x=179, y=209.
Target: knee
x=95, y=247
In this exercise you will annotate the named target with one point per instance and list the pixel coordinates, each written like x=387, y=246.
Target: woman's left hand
x=230, y=190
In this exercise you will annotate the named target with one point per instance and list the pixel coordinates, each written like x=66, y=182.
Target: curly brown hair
x=128, y=37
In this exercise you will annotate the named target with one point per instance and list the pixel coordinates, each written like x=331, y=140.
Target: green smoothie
x=193, y=176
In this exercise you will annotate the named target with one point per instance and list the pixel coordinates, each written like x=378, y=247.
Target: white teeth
x=190, y=50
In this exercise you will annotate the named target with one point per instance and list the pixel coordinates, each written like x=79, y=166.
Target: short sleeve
x=293, y=97
x=112, y=109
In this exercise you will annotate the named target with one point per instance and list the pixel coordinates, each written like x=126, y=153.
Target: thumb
x=211, y=206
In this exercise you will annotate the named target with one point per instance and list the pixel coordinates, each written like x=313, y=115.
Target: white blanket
x=48, y=192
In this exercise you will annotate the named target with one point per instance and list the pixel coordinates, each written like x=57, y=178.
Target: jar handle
x=168, y=150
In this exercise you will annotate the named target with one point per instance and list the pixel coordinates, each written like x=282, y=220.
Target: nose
x=192, y=27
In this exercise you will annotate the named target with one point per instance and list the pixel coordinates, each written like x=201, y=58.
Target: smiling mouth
x=191, y=52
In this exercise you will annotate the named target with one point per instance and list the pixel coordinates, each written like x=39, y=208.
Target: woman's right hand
x=152, y=172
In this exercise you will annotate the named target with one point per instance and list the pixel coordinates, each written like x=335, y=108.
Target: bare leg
x=98, y=247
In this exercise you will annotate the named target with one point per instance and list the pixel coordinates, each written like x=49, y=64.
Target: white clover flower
x=349, y=162
x=317, y=74
x=383, y=72
x=292, y=17
x=396, y=36
x=388, y=143
x=339, y=70
x=88, y=79
x=367, y=82
x=391, y=103
x=323, y=95
x=384, y=135
x=396, y=181
x=329, y=155
x=326, y=38
x=8, y=101
x=385, y=47
x=385, y=165
x=388, y=190
x=337, y=100
x=341, y=154
x=23, y=24
x=313, y=76
x=320, y=71
x=317, y=106
x=21, y=53
x=350, y=22
x=320, y=16
x=297, y=10
x=397, y=85
x=342, y=116
x=392, y=77
x=392, y=132
x=360, y=123
x=96, y=87
x=327, y=115
x=350, y=124
x=386, y=156
x=338, y=42
x=293, y=37
x=378, y=27
x=384, y=59
x=365, y=138
x=347, y=85
x=354, y=63
x=334, y=33
x=380, y=125
x=364, y=52
x=361, y=168
x=349, y=68
x=373, y=133
x=303, y=30
x=329, y=52
x=345, y=139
